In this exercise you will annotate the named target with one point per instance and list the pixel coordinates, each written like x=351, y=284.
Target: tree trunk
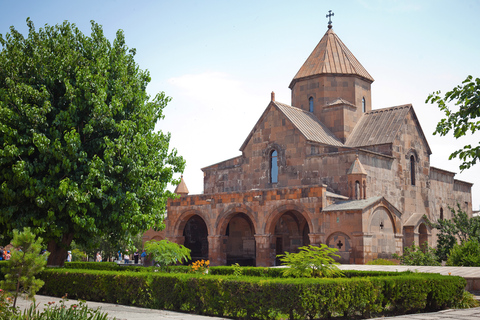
x=58, y=251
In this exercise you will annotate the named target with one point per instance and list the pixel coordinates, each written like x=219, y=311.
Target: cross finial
x=329, y=16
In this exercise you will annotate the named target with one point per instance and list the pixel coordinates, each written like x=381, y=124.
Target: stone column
x=217, y=253
x=316, y=238
x=265, y=251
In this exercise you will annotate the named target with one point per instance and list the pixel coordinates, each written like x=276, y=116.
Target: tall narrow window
x=441, y=213
x=310, y=104
x=273, y=167
x=357, y=190
x=364, y=107
x=412, y=170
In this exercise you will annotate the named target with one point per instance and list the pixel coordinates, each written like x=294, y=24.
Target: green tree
x=79, y=156
x=466, y=119
x=24, y=264
x=460, y=228
x=167, y=253
x=466, y=254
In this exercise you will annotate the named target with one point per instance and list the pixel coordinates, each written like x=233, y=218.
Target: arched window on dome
x=364, y=105
x=274, y=166
x=412, y=170
x=310, y=104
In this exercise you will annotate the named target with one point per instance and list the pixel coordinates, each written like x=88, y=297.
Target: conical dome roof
x=182, y=187
x=331, y=56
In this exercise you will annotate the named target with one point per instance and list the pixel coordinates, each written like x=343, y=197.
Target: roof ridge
x=389, y=108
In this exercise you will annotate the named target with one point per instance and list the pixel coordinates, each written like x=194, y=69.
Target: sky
x=220, y=60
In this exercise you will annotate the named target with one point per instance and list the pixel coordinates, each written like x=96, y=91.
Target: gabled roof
x=331, y=56
x=381, y=126
x=353, y=204
x=363, y=205
x=306, y=122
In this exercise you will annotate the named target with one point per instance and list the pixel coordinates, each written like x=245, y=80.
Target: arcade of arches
x=272, y=222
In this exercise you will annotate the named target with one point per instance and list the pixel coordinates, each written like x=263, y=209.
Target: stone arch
x=181, y=221
x=286, y=224
x=387, y=215
x=381, y=227
x=343, y=243
x=423, y=235
x=224, y=217
x=279, y=211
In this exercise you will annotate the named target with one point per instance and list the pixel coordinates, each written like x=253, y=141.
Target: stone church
x=325, y=169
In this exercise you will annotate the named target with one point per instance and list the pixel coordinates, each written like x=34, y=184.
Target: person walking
x=126, y=257
x=69, y=256
x=99, y=257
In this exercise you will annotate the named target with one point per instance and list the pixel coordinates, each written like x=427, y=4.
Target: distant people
x=126, y=257
x=143, y=256
x=8, y=256
x=1, y=253
x=119, y=255
x=69, y=256
x=99, y=257
x=136, y=255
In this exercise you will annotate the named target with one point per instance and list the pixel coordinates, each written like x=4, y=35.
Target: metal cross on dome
x=329, y=16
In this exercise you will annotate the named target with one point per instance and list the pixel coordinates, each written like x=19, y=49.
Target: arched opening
x=412, y=170
x=274, y=166
x=364, y=107
x=357, y=190
x=423, y=236
x=340, y=241
x=196, y=238
x=310, y=104
x=289, y=233
x=241, y=241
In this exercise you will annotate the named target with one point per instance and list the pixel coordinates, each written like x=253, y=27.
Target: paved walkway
x=133, y=313
x=466, y=272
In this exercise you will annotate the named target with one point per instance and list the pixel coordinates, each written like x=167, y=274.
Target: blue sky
x=219, y=60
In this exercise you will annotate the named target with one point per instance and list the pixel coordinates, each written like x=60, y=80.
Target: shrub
x=466, y=254
x=167, y=253
x=311, y=261
x=418, y=256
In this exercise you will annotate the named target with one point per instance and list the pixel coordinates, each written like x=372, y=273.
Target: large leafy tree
x=463, y=121
x=460, y=228
x=79, y=156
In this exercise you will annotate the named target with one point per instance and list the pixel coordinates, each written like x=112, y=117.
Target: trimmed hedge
x=257, y=297
x=263, y=272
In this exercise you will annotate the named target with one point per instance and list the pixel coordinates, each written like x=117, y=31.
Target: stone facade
x=326, y=169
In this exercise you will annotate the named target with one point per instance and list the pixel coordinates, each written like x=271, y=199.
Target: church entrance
x=291, y=232
x=241, y=246
x=196, y=238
